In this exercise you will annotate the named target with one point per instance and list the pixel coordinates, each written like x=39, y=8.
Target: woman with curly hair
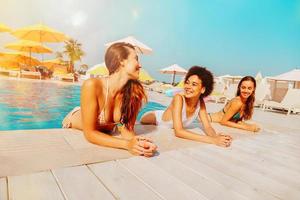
x=239, y=108
x=113, y=101
x=186, y=107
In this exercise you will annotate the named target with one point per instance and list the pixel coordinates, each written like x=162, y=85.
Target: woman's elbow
x=88, y=136
x=224, y=122
x=178, y=132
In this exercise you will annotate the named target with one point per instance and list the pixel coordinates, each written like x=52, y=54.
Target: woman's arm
x=177, y=104
x=235, y=107
x=202, y=117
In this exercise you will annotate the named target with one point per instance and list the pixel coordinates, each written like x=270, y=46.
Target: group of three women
x=114, y=102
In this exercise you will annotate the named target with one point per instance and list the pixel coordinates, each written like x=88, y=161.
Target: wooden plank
x=281, y=154
x=268, y=156
x=231, y=183
x=79, y=183
x=285, y=139
x=31, y=142
x=121, y=182
x=247, y=175
x=279, y=173
x=167, y=186
x=3, y=189
x=208, y=187
x=282, y=142
x=37, y=186
x=283, y=150
x=13, y=164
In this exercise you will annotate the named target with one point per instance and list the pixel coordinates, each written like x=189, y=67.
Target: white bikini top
x=185, y=121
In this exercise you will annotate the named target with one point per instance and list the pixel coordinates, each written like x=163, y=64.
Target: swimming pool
x=40, y=104
x=35, y=104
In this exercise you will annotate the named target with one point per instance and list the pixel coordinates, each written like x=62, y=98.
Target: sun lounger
x=156, y=86
x=289, y=103
x=66, y=77
x=262, y=93
x=230, y=92
x=30, y=74
x=218, y=93
x=4, y=72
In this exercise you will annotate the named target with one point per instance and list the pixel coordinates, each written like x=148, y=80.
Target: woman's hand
x=253, y=127
x=142, y=146
x=222, y=140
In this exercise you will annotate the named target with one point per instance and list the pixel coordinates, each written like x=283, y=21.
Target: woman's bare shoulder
x=92, y=85
x=236, y=101
x=177, y=98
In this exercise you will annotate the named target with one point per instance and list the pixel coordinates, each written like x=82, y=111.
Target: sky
x=236, y=37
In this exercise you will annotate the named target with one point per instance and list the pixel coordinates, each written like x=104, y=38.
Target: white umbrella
x=293, y=75
x=173, y=69
x=229, y=78
x=258, y=77
x=290, y=76
x=137, y=44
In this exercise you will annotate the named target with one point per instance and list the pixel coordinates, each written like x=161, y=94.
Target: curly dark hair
x=205, y=76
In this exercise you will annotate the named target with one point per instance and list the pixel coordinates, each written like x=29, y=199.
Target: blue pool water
x=35, y=105
x=40, y=105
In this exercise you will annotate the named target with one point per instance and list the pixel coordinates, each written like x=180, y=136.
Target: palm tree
x=60, y=56
x=74, y=52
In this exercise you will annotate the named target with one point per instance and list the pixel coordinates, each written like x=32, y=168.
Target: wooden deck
x=60, y=164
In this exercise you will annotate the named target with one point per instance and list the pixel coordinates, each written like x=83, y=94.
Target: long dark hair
x=248, y=110
x=132, y=93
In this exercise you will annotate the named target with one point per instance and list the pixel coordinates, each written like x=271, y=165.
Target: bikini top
x=236, y=117
x=101, y=116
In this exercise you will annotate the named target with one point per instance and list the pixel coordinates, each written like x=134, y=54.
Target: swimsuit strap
x=183, y=105
x=184, y=109
x=102, y=113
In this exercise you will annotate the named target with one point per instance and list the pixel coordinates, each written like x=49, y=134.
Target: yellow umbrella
x=99, y=69
x=19, y=57
x=39, y=33
x=60, y=69
x=53, y=64
x=10, y=64
x=180, y=84
x=28, y=46
x=144, y=76
x=4, y=28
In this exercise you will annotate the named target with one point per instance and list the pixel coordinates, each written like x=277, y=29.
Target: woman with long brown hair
x=239, y=108
x=113, y=101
